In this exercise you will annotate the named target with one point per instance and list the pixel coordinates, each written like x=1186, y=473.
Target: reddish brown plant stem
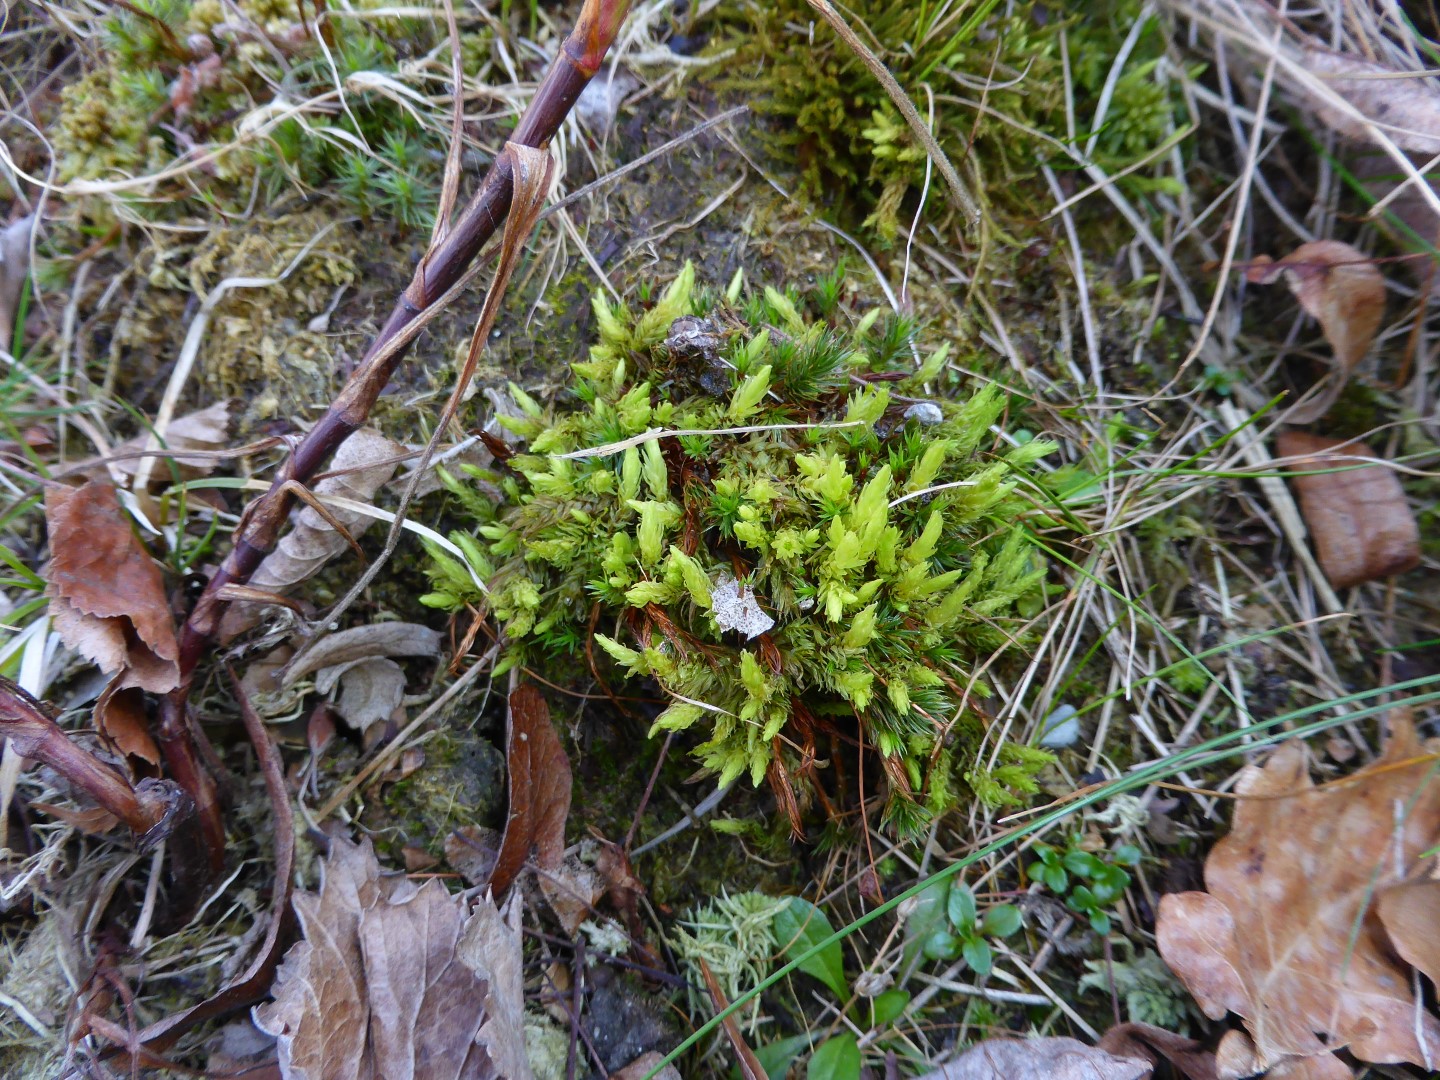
x=146, y=808
x=579, y=58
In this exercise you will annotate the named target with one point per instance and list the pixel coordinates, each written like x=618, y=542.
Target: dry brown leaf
x=120, y=717
x=1039, y=1059
x=205, y=430
x=362, y=463
x=490, y=946
x=539, y=780
x=471, y=851
x=1342, y=290
x=365, y=643
x=1410, y=913
x=107, y=598
x=1358, y=517
x=1271, y=939
x=1403, y=105
x=379, y=987
x=572, y=890
x=1146, y=1042
x=370, y=691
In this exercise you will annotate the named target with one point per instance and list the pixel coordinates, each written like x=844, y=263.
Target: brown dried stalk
x=149, y=808
x=441, y=270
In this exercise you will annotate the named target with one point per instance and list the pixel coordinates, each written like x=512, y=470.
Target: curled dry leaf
x=358, y=661
x=1358, y=517
x=120, y=717
x=1341, y=289
x=1039, y=1059
x=366, y=643
x=539, y=779
x=1273, y=938
x=107, y=599
x=363, y=462
x=393, y=980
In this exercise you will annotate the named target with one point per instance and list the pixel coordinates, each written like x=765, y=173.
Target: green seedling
x=1089, y=882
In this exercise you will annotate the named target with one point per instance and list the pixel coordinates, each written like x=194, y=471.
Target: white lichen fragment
x=735, y=608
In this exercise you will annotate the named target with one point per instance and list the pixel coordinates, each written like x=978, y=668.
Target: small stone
x=927, y=412
x=1061, y=729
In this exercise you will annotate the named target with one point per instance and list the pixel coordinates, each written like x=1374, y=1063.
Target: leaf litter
x=1343, y=290
x=395, y=980
x=1288, y=935
x=107, y=597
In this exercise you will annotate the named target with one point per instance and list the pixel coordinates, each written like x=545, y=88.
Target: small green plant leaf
x=927, y=917
x=775, y=1058
x=1002, y=920
x=1100, y=923
x=1082, y=899
x=1128, y=855
x=837, y=1058
x=799, y=927
x=977, y=954
x=886, y=1008
x=961, y=908
x=942, y=945
x=1083, y=864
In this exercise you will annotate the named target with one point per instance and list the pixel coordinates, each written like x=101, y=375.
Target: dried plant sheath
x=1359, y=519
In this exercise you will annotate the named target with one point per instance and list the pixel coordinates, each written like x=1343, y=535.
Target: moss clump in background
x=179, y=80
x=809, y=559
x=996, y=74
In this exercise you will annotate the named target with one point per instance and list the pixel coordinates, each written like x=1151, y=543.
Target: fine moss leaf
x=799, y=927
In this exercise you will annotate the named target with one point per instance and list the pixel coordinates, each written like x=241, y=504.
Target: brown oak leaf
x=107, y=598
x=1287, y=935
x=383, y=987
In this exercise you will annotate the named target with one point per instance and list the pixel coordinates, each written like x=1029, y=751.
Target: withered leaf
x=539, y=781
x=471, y=852
x=207, y=429
x=120, y=718
x=1187, y=1057
x=490, y=946
x=379, y=987
x=370, y=690
x=107, y=598
x=1358, y=517
x=364, y=643
x=363, y=462
x=1272, y=938
x=1410, y=913
x=1342, y=290
x=1039, y=1059
x=1405, y=106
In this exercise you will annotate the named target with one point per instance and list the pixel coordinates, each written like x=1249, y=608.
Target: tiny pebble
x=1061, y=729
x=927, y=412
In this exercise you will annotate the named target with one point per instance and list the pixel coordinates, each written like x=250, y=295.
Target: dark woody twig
x=442, y=268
